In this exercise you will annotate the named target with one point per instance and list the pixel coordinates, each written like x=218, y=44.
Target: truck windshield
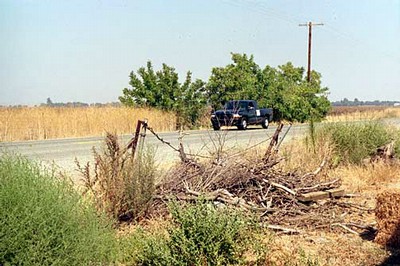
x=234, y=105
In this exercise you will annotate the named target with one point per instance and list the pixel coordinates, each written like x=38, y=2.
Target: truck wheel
x=216, y=127
x=243, y=124
x=265, y=123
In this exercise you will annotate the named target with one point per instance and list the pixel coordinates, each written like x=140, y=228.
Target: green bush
x=44, y=221
x=353, y=142
x=199, y=234
x=145, y=248
x=204, y=235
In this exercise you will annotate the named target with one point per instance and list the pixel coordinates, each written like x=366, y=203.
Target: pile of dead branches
x=256, y=186
x=287, y=199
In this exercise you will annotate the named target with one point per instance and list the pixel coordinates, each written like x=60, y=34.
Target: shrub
x=146, y=248
x=44, y=221
x=120, y=184
x=204, y=235
x=199, y=234
x=353, y=142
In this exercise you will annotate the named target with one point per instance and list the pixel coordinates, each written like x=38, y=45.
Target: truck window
x=234, y=105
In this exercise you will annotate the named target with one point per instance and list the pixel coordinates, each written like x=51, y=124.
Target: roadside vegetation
x=198, y=234
x=45, y=221
x=354, y=142
x=120, y=184
x=113, y=220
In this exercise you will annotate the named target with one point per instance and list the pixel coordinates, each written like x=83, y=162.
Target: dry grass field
x=36, y=123
x=354, y=113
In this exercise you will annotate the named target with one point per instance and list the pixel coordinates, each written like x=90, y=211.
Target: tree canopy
x=162, y=90
x=284, y=88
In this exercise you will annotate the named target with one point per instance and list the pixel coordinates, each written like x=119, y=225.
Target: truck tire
x=265, y=123
x=243, y=124
x=216, y=127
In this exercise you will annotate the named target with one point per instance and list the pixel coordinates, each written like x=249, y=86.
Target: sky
x=84, y=50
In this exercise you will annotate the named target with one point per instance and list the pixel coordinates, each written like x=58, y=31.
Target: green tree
x=284, y=88
x=293, y=98
x=240, y=80
x=162, y=90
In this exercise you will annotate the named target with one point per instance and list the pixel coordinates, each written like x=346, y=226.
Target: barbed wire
x=210, y=157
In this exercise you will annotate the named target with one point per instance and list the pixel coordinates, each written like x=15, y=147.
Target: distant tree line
x=284, y=88
x=356, y=102
x=50, y=103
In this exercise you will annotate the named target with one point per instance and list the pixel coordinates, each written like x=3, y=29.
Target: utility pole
x=310, y=25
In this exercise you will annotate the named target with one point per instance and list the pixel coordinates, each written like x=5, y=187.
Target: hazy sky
x=84, y=50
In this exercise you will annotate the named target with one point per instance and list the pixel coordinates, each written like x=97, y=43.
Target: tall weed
x=353, y=142
x=44, y=221
x=121, y=185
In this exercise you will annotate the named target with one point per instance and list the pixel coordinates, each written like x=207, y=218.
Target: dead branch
x=345, y=228
x=226, y=197
x=351, y=195
x=283, y=229
x=281, y=187
x=316, y=172
x=323, y=185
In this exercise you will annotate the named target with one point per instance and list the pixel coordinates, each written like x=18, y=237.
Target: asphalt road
x=63, y=152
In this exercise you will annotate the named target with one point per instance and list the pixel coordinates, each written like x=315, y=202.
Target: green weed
x=44, y=221
x=353, y=142
x=199, y=234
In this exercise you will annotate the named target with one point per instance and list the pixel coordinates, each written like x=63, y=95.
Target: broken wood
x=319, y=195
x=361, y=226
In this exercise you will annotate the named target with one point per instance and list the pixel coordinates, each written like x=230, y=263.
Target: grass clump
x=353, y=142
x=120, y=184
x=44, y=221
x=200, y=234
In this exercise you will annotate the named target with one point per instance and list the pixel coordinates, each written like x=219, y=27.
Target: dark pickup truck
x=241, y=113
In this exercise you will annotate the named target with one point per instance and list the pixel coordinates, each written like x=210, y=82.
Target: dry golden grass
x=356, y=113
x=299, y=154
x=323, y=249
x=372, y=177
x=35, y=123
